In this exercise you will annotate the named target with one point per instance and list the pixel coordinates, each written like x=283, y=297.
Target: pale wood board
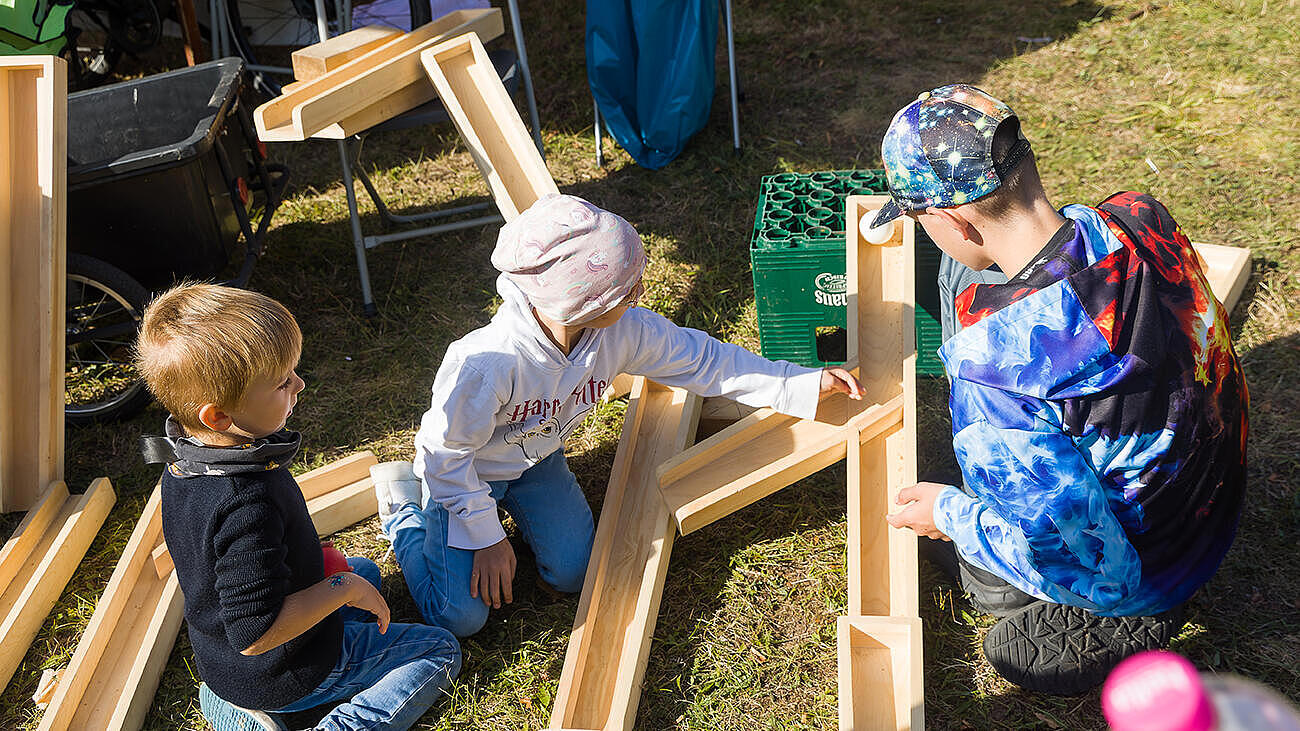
x=30, y=532
x=343, y=471
x=882, y=561
x=37, y=586
x=489, y=124
x=600, y=685
x=1227, y=268
x=757, y=456
x=364, y=82
x=878, y=659
x=318, y=59
x=33, y=168
x=93, y=683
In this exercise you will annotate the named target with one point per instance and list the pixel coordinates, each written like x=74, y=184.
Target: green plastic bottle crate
x=797, y=257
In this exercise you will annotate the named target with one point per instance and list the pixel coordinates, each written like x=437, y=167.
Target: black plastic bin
x=155, y=169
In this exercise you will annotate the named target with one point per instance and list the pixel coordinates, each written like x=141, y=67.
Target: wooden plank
x=882, y=561
x=33, y=165
x=162, y=560
x=408, y=97
x=30, y=531
x=618, y=388
x=365, y=81
x=600, y=685
x=1227, y=268
x=93, y=677
x=343, y=507
x=190, y=32
x=318, y=59
x=38, y=584
x=489, y=124
x=881, y=687
x=144, y=672
x=757, y=456
x=336, y=474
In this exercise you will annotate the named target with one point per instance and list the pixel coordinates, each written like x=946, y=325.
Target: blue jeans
x=387, y=680
x=551, y=512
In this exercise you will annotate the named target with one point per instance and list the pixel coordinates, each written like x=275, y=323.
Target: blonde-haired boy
x=260, y=610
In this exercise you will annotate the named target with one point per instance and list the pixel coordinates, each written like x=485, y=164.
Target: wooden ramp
x=489, y=124
x=33, y=255
x=600, y=685
x=110, y=682
x=39, y=560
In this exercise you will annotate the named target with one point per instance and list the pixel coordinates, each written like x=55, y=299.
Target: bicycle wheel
x=104, y=305
x=258, y=25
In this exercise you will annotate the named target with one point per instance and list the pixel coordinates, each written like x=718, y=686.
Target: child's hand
x=494, y=574
x=366, y=597
x=919, y=513
x=838, y=379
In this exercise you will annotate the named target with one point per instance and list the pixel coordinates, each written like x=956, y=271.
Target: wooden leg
x=190, y=32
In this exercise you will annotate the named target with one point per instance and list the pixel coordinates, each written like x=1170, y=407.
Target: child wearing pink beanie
x=508, y=395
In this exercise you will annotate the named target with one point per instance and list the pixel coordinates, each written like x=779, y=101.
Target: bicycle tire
x=101, y=296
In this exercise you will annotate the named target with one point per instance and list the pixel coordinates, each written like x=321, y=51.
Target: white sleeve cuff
x=478, y=532
x=801, y=392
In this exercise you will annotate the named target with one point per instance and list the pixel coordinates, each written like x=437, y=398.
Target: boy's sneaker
x=1065, y=650
x=396, y=485
x=226, y=716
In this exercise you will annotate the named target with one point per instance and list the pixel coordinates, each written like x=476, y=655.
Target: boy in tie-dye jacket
x=1099, y=412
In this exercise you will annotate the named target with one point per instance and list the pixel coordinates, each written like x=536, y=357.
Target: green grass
x=1204, y=90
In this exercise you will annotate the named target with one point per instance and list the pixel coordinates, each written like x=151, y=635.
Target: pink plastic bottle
x=1162, y=691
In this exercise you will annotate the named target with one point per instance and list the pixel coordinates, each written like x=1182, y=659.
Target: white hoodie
x=505, y=398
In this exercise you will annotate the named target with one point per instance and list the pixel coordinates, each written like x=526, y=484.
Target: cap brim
x=887, y=213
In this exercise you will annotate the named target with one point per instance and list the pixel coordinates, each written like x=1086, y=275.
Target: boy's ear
x=211, y=416
x=961, y=224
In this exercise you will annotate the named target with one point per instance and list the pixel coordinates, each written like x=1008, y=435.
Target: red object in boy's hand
x=335, y=561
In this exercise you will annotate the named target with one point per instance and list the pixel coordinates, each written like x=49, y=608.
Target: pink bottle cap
x=1156, y=691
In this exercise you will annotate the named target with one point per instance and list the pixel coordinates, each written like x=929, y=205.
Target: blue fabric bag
x=650, y=66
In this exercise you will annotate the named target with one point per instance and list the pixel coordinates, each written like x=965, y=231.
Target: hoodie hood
x=1043, y=341
x=515, y=316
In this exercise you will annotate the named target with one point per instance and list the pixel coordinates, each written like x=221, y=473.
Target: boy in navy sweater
x=263, y=618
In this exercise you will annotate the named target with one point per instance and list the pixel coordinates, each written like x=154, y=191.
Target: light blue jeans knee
x=552, y=514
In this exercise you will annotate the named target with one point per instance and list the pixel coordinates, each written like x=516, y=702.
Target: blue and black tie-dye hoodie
x=1099, y=417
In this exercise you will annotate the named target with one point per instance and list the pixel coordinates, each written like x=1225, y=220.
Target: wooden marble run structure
x=880, y=640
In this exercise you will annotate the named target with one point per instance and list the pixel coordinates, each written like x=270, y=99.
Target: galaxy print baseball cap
x=938, y=150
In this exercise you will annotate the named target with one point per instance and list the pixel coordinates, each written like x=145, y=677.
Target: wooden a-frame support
x=111, y=679
x=880, y=659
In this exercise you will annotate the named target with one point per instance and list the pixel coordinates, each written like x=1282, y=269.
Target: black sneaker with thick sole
x=1064, y=650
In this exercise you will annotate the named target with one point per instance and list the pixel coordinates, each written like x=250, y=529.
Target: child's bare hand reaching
x=494, y=574
x=919, y=511
x=840, y=380
x=366, y=597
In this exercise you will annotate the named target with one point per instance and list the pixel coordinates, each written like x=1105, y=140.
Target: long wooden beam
x=882, y=561
x=36, y=587
x=358, y=86
x=600, y=685
x=489, y=124
x=30, y=532
x=33, y=254
x=880, y=681
x=318, y=59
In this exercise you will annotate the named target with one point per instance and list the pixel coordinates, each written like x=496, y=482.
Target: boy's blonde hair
x=205, y=343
